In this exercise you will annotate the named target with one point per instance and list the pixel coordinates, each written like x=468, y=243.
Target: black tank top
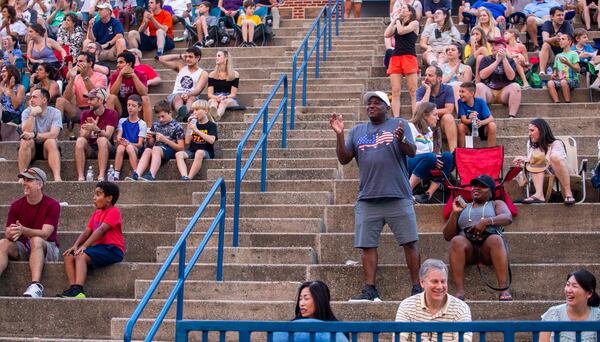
x=405, y=44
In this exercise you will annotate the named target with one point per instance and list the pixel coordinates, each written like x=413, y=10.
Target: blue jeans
x=421, y=165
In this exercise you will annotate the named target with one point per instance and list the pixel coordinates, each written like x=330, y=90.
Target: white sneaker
x=35, y=290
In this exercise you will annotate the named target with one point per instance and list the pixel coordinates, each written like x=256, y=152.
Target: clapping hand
x=336, y=123
x=91, y=125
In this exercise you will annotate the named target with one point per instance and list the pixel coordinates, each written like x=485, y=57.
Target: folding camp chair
x=577, y=181
x=472, y=162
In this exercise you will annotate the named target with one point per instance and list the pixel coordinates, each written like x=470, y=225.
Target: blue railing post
x=330, y=16
x=223, y=206
x=305, y=73
x=317, y=41
x=285, y=108
x=293, y=100
x=236, y=197
x=263, y=164
x=326, y=29
x=181, y=277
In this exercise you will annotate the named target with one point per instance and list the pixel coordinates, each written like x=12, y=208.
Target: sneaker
x=179, y=39
x=158, y=54
x=422, y=198
x=209, y=42
x=134, y=176
x=184, y=178
x=147, y=177
x=67, y=293
x=212, y=111
x=35, y=290
x=416, y=289
x=243, y=44
x=73, y=292
x=369, y=293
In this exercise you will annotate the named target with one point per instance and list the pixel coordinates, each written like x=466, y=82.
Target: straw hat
x=537, y=162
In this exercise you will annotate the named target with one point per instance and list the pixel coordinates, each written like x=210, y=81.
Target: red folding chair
x=472, y=162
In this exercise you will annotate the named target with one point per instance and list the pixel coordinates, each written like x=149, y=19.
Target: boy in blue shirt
x=470, y=107
x=131, y=133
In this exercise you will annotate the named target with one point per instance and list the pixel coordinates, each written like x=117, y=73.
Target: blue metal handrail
x=183, y=271
x=325, y=32
x=267, y=125
x=507, y=328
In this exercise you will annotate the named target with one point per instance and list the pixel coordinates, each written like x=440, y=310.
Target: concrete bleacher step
x=250, y=255
x=279, y=197
x=260, y=225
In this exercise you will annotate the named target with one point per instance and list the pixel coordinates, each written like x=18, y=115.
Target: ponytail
x=594, y=300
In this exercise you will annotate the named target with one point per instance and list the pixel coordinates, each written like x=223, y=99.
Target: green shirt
x=564, y=70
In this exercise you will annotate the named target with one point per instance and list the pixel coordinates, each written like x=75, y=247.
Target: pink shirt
x=98, y=80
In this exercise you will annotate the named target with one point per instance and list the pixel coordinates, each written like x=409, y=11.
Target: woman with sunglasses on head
x=582, y=303
x=12, y=94
x=474, y=235
x=404, y=31
x=71, y=34
x=312, y=305
x=436, y=36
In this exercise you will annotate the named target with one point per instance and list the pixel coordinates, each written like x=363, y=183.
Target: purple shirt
x=232, y=5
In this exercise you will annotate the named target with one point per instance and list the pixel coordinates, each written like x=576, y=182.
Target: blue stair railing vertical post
x=177, y=293
x=261, y=145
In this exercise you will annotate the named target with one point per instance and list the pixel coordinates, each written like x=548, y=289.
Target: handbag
x=489, y=230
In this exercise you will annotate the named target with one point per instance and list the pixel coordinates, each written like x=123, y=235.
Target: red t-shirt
x=108, y=118
x=163, y=18
x=146, y=70
x=35, y=216
x=127, y=86
x=113, y=236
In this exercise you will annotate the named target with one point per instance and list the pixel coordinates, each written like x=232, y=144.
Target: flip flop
x=532, y=200
x=505, y=296
x=569, y=200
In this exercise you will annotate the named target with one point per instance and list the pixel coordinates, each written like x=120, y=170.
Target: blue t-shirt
x=496, y=9
x=479, y=106
x=106, y=32
x=382, y=165
x=132, y=130
x=586, y=48
x=445, y=95
x=279, y=336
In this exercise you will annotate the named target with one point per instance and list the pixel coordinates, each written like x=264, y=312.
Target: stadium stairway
x=302, y=227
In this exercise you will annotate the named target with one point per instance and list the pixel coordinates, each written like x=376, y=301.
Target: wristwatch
x=403, y=139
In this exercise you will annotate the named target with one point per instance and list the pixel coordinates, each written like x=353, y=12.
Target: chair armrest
x=583, y=167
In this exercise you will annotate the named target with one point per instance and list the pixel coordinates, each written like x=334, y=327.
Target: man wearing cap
x=95, y=135
x=30, y=231
x=380, y=148
x=82, y=79
x=41, y=125
x=108, y=32
x=551, y=32
x=497, y=73
x=442, y=95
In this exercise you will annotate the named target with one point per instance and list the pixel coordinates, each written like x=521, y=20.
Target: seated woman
x=10, y=24
x=12, y=94
x=474, y=236
x=545, y=154
x=71, y=34
x=223, y=85
x=44, y=78
x=454, y=71
x=518, y=53
x=12, y=51
x=312, y=305
x=436, y=36
x=40, y=49
x=426, y=160
x=488, y=24
x=477, y=48
x=582, y=305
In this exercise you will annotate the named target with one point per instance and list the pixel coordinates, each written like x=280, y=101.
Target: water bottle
x=110, y=174
x=89, y=176
x=475, y=128
x=194, y=122
x=549, y=70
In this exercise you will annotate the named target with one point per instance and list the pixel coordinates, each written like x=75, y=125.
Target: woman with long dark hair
x=40, y=49
x=10, y=25
x=582, y=303
x=545, y=154
x=403, y=62
x=71, y=34
x=12, y=94
x=43, y=78
x=312, y=305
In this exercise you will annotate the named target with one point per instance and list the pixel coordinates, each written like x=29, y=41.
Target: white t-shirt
x=178, y=6
x=17, y=27
x=424, y=142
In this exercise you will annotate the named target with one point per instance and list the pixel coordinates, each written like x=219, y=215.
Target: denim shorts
x=192, y=154
x=572, y=82
x=104, y=255
x=168, y=152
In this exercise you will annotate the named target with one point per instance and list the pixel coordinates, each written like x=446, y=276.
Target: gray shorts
x=52, y=252
x=371, y=215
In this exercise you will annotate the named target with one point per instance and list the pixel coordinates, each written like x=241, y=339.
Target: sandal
x=505, y=296
x=525, y=87
x=569, y=200
x=533, y=200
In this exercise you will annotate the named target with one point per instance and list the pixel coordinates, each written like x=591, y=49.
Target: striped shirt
x=413, y=309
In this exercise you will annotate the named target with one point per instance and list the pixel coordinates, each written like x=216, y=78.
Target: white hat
x=105, y=5
x=379, y=94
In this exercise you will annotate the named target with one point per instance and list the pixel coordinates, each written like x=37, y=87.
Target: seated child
x=131, y=133
x=248, y=22
x=471, y=107
x=201, y=135
x=164, y=140
x=566, y=71
x=151, y=74
x=203, y=23
x=585, y=50
x=100, y=244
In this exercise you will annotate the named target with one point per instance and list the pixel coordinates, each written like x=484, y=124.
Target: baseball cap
x=105, y=5
x=97, y=92
x=485, y=181
x=34, y=173
x=498, y=40
x=379, y=94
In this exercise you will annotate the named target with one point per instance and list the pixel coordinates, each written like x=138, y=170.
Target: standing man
x=160, y=27
x=434, y=304
x=30, y=231
x=380, y=148
x=41, y=125
x=442, y=95
x=108, y=32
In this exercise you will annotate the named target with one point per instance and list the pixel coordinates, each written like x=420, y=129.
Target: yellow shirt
x=467, y=52
x=253, y=18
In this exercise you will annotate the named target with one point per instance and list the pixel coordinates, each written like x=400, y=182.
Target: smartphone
x=461, y=201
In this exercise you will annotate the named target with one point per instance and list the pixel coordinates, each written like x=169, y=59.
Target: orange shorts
x=405, y=64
